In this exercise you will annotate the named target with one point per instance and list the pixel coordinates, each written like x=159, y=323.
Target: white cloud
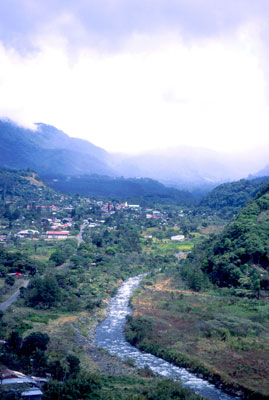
x=157, y=91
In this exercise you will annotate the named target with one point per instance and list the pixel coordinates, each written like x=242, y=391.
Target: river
x=109, y=335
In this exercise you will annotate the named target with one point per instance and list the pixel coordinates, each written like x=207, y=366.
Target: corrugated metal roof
x=32, y=392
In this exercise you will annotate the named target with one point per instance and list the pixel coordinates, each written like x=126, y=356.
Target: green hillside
x=228, y=198
x=239, y=256
x=22, y=186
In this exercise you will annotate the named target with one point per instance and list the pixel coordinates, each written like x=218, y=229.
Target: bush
x=10, y=280
x=84, y=387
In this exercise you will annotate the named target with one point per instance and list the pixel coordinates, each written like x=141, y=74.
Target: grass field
x=223, y=335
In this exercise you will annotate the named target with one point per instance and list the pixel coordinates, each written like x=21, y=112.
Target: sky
x=138, y=75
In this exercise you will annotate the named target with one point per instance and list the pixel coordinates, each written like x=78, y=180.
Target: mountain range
x=50, y=151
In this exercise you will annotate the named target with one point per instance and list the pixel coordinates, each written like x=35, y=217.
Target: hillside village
x=57, y=219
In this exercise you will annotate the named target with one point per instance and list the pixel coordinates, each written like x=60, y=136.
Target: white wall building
x=179, y=238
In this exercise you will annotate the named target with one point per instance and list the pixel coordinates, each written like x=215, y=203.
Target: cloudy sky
x=133, y=75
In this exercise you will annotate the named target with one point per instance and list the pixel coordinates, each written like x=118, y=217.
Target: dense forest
x=228, y=198
x=144, y=190
x=237, y=257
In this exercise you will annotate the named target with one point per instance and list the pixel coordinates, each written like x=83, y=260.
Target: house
x=179, y=238
x=57, y=235
x=33, y=393
x=92, y=225
x=28, y=233
x=134, y=206
x=146, y=236
x=16, y=382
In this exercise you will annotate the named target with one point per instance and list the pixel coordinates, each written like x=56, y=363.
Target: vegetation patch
x=219, y=335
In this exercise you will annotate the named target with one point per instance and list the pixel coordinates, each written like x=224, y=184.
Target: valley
x=213, y=324
x=134, y=200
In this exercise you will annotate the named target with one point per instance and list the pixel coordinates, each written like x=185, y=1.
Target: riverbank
x=118, y=379
x=186, y=328
x=109, y=335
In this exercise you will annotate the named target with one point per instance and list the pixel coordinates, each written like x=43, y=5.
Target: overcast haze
x=136, y=75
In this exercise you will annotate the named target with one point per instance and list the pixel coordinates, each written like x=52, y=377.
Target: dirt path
x=166, y=286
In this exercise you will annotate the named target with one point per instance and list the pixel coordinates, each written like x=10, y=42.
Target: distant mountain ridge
x=142, y=190
x=188, y=167
x=52, y=138
x=48, y=150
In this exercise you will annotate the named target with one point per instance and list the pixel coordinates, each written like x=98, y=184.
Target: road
x=79, y=236
x=12, y=298
x=15, y=295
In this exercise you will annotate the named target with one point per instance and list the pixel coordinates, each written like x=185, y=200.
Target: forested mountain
x=143, y=190
x=22, y=185
x=28, y=186
x=228, y=198
x=238, y=257
x=48, y=150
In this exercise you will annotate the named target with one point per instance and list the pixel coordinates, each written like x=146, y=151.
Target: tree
x=196, y=280
x=10, y=280
x=73, y=363
x=16, y=214
x=14, y=343
x=59, y=257
x=35, y=341
x=43, y=293
x=57, y=370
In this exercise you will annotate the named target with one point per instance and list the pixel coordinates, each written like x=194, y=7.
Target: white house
x=179, y=238
x=27, y=233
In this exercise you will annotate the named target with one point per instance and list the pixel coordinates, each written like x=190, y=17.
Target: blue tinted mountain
x=48, y=150
x=145, y=191
x=74, y=165
x=189, y=167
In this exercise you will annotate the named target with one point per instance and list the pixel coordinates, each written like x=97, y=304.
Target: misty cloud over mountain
x=50, y=151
